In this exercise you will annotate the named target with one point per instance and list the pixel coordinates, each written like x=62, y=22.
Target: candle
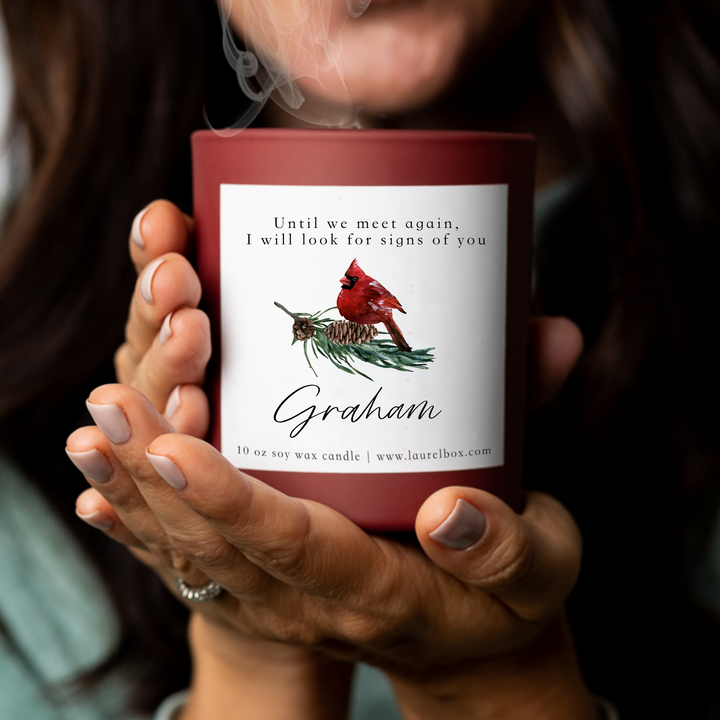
x=369, y=296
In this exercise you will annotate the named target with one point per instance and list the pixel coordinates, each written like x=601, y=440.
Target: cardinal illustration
x=365, y=301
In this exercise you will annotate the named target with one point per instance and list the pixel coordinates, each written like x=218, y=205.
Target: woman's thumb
x=530, y=562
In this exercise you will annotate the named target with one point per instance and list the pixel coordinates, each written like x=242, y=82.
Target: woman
x=627, y=281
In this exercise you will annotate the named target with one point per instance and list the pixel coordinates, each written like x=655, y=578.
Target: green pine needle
x=380, y=352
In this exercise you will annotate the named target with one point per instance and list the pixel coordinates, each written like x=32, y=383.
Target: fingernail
x=136, y=233
x=97, y=520
x=173, y=403
x=112, y=421
x=146, y=282
x=91, y=463
x=462, y=528
x=165, y=330
x=167, y=470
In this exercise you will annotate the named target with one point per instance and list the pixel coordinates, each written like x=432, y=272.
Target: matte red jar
x=438, y=225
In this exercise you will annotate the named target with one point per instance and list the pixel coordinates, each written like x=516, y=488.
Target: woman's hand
x=167, y=339
x=164, y=356
x=470, y=627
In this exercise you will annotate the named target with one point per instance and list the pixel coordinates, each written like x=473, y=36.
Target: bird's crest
x=354, y=269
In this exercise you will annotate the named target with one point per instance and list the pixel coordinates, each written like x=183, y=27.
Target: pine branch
x=379, y=351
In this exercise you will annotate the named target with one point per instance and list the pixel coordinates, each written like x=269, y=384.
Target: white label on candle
x=441, y=251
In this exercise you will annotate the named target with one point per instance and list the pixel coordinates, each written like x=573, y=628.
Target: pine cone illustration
x=303, y=329
x=343, y=332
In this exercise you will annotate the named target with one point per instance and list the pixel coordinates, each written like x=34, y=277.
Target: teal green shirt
x=57, y=619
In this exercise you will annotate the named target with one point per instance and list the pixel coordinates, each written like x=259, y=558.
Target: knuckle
x=285, y=559
x=283, y=552
x=511, y=562
x=179, y=563
x=194, y=329
x=368, y=629
x=143, y=472
x=381, y=611
x=213, y=553
x=203, y=335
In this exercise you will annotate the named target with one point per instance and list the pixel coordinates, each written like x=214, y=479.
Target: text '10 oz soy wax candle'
x=368, y=292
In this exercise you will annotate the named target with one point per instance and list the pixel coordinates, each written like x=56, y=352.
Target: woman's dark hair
x=630, y=444
x=106, y=96
x=107, y=93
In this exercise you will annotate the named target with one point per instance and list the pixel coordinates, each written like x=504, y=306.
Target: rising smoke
x=289, y=41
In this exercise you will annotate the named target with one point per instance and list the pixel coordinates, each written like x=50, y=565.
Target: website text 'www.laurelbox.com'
x=364, y=457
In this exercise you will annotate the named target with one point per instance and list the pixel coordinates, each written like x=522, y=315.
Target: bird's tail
x=396, y=335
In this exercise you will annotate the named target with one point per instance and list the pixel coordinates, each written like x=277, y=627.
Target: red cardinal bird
x=365, y=301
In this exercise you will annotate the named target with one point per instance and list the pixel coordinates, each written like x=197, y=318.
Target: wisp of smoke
x=287, y=41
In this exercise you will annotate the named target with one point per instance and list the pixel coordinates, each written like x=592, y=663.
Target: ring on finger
x=208, y=591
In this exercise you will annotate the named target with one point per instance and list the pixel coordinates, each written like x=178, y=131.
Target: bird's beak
x=344, y=280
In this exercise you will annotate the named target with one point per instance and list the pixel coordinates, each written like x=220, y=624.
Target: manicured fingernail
x=97, y=520
x=92, y=463
x=146, y=282
x=167, y=470
x=136, y=232
x=462, y=528
x=165, y=330
x=173, y=403
x=112, y=421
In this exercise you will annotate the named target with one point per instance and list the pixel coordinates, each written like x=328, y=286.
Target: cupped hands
x=468, y=624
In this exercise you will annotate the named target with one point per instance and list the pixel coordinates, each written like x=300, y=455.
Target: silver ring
x=208, y=591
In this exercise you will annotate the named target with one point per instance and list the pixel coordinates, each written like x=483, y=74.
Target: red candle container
x=369, y=297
